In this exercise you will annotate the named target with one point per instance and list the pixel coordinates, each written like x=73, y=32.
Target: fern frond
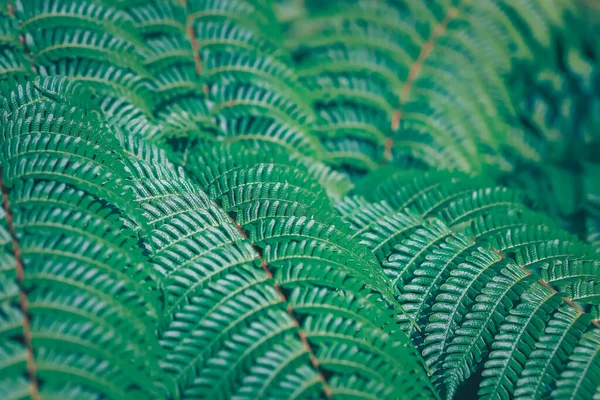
x=516, y=341
x=578, y=379
x=551, y=352
x=474, y=337
x=37, y=15
x=456, y=296
x=173, y=220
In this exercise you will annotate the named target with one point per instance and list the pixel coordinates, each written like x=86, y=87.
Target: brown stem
x=547, y=285
x=23, y=303
x=414, y=71
x=195, y=48
x=313, y=358
x=194, y=42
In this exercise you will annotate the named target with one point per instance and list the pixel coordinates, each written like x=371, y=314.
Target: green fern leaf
x=515, y=342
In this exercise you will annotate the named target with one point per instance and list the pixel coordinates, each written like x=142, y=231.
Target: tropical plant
x=259, y=199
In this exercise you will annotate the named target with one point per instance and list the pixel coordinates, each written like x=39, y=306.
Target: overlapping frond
x=85, y=307
x=175, y=224
x=501, y=294
x=219, y=265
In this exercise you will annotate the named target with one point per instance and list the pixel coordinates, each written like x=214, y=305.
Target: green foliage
x=255, y=199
